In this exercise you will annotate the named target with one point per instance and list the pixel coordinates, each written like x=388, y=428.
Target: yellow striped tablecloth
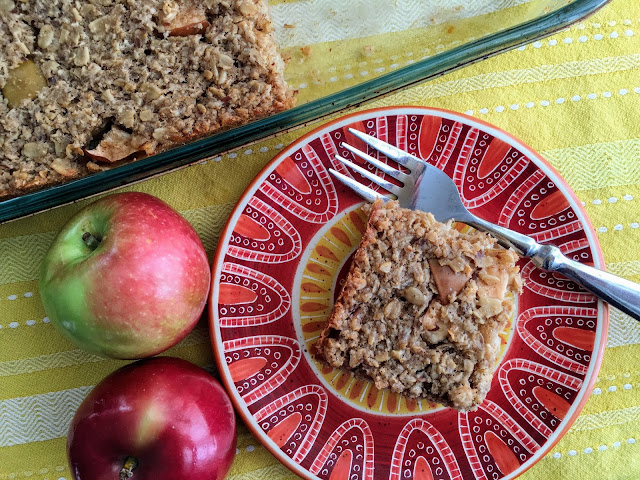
x=573, y=97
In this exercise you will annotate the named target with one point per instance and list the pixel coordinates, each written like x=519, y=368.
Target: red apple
x=126, y=277
x=156, y=419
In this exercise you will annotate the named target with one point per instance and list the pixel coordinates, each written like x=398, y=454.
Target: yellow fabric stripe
x=600, y=165
x=271, y=471
x=22, y=256
x=606, y=418
x=625, y=269
x=199, y=336
x=38, y=376
x=623, y=330
x=535, y=74
x=34, y=461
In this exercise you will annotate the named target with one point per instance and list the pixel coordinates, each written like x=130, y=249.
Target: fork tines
x=395, y=154
x=365, y=192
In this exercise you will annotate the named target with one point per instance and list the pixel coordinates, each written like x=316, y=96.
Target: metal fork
x=426, y=188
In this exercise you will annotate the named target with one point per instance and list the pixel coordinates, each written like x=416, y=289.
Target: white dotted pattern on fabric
x=589, y=450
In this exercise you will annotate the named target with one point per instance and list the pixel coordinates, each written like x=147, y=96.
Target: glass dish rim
x=218, y=143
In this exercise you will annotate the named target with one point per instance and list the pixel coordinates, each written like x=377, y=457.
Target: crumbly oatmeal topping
x=81, y=75
x=422, y=307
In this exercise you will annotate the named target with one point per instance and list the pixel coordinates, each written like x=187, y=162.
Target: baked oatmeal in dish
x=422, y=307
x=86, y=85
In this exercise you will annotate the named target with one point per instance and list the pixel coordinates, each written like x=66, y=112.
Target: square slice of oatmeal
x=422, y=307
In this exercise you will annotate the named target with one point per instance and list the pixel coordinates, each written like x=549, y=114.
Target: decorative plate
x=279, y=267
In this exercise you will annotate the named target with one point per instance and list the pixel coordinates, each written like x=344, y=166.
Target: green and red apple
x=127, y=277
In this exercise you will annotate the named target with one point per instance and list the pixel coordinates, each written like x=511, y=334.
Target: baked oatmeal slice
x=89, y=85
x=422, y=307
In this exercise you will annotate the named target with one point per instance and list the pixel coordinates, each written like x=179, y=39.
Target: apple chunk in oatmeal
x=88, y=86
x=422, y=307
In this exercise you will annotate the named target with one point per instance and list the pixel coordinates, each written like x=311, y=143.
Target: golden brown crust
x=393, y=324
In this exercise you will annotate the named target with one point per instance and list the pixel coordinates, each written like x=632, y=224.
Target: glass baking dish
x=375, y=47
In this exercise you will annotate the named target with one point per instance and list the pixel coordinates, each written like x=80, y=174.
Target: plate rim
x=539, y=160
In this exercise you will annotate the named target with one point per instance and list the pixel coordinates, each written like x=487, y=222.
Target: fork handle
x=617, y=291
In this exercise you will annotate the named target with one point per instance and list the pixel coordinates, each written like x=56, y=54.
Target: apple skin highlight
x=161, y=418
x=127, y=277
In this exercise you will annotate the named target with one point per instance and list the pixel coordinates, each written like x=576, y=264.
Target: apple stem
x=130, y=463
x=90, y=240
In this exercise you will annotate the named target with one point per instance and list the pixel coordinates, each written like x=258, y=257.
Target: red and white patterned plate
x=280, y=263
